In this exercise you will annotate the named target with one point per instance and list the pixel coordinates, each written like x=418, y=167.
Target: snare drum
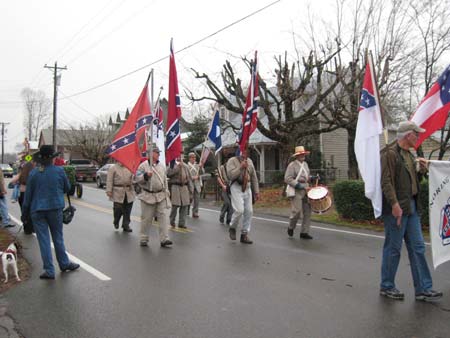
x=319, y=199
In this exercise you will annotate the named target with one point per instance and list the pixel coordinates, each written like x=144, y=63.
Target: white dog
x=9, y=258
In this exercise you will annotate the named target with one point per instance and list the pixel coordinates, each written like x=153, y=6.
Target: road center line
x=314, y=226
x=83, y=265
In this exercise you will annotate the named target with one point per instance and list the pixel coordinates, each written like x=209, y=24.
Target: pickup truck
x=84, y=169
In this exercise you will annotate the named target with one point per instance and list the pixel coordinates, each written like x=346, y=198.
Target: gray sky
x=101, y=40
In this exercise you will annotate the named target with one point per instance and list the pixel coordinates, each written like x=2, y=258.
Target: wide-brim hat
x=46, y=151
x=300, y=150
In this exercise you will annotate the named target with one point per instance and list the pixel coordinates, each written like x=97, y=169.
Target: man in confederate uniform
x=181, y=189
x=154, y=198
x=195, y=169
x=243, y=180
x=119, y=189
x=297, y=176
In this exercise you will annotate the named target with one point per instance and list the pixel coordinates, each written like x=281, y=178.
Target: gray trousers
x=195, y=202
x=300, y=208
x=182, y=216
x=148, y=213
x=226, y=208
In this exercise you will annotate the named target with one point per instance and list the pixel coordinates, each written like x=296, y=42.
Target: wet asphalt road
x=209, y=286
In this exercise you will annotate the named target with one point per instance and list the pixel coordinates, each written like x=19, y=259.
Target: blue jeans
x=410, y=230
x=4, y=211
x=43, y=221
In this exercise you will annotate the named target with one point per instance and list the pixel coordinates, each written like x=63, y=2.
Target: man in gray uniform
x=181, y=189
x=243, y=180
x=120, y=190
x=195, y=169
x=297, y=176
x=154, y=198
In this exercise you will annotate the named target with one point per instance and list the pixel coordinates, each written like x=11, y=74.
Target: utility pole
x=56, y=83
x=3, y=138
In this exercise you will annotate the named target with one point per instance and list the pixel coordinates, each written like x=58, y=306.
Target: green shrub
x=350, y=201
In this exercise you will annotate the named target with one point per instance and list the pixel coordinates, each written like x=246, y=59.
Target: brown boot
x=245, y=239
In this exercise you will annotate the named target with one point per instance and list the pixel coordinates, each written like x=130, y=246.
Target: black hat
x=46, y=151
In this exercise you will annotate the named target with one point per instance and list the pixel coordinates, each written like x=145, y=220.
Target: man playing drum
x=297, y=177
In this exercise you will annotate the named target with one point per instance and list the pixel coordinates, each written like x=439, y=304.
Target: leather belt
x=152, y=192
x=181, y=184
x=122, y=185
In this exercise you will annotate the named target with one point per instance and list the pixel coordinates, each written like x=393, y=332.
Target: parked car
x=101, y=175
x=84, y=169
x=7, y=170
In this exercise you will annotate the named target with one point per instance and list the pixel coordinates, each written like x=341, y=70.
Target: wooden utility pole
x=3, y=139
x=56, y=83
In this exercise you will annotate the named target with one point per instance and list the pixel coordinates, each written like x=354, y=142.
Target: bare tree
x=37, y=111
x=91, y=140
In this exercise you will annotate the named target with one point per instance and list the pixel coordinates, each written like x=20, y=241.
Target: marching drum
x=319, y=199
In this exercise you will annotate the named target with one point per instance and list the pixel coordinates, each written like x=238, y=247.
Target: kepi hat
x=406, y=126
x=300, y=150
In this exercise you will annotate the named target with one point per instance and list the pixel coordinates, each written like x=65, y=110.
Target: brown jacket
x=396, y=180
x=119, y=182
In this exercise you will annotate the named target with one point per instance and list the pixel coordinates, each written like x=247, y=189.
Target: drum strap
x=302, y=170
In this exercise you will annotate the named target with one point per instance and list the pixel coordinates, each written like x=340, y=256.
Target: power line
x=179, y=51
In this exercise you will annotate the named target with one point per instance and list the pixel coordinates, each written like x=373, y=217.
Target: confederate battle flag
x=126, y=147
x=173, y=135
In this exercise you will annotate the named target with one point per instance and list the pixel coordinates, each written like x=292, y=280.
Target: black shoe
x=245, y=239
x=166, y=243
x=127, y=229
x=71, y=267
x=45, y=275
x=429, y=296
x=290, y=232
x=393, y=294
x=221, y=220
x=9, y=225
x=172, y=225
x=182, y=226
x=116, y=226
x=305, y=235
x=232, y=232
x=143, y=243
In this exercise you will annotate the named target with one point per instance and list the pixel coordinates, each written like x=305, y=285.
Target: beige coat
x=181, y=186
x=235, y=173
x=155, y=188
x=196, y=171
x=292, y=171
x=119, y=182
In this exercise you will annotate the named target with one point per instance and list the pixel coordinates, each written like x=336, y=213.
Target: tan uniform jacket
x=292, y=172
x=155, y=189
x=235, y=174
x=195, y=170
x=181, y=186
x=119, y=182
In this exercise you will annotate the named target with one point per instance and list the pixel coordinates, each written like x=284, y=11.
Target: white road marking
x=83, y=265
x=314, y=226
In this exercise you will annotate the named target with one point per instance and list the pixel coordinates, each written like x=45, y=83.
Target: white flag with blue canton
x=367, y=140
x=214, y=133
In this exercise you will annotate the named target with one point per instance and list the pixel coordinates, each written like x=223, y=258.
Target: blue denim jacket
x=45, y=189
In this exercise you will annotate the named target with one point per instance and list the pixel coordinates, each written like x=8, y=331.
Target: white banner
x=439, y=204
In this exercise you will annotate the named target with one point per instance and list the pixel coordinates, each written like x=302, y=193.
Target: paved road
x=209, y=286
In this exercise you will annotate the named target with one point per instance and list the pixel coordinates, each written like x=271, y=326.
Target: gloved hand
x=300, y=186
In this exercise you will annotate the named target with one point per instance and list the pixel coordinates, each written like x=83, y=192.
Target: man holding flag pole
x=240, y=169
x=399, y=187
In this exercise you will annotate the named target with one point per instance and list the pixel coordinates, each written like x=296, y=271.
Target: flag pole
x=377, y=94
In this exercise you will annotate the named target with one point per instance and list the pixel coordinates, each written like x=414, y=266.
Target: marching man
x=194, y=169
